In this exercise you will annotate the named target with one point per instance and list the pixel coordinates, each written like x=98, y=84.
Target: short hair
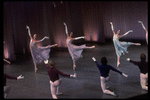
x=143, y=57
x=104, y=61
x=51, y=64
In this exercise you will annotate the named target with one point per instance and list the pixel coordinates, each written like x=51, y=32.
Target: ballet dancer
x=145, y=30
x=120, y=47
x=55, y=81
x=143, y=66
x=75, y=51
x=7, y=88
x=38, y=53
x=104, y=74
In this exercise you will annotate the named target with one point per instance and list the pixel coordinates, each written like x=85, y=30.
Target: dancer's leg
x=74, y=64
x=53, y=90
x=6, y=91
x=35, y=67
x=58, y=82
x=143, y=79
x=118, y=61
x=103, y=86
x=134, y=43
x=89, y=47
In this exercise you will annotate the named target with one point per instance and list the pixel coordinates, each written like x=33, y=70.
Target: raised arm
x=66, y=30
x=126, y=33
x=112, y=27
x=142, y=24
x=93, y=58
x=29, y=32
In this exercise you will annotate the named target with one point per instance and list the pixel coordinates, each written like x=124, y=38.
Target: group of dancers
x=41, y=53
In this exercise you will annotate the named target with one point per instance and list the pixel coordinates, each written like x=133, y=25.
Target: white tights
x=143, y=81
x=55, y=88
x=103, y=85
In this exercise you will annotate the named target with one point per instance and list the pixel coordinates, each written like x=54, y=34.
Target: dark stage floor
x=87, y=83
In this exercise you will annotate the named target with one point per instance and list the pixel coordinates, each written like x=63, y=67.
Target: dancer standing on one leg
x=7, y=88
x=75, y=51
x=105, y=77
x=143, y=66
x=38, y=53
x=145, y=30
x=55, y=81
x=120, y=47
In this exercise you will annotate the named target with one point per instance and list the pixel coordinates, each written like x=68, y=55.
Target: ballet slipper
x=118, y=63
x=36, y=69
x=113, y=94
x=74, y=66
x=137, y=44
x=92, y=47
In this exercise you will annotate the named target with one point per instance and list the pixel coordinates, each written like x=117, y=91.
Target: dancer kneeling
x=104, y=77
x=55, y=81
x=143, y=66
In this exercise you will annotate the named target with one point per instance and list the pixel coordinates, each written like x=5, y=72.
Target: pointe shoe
x=74, y=66
x=36, y=69
x=118, y=63
x=92, y=47
x=113, y=94
x=137, y=44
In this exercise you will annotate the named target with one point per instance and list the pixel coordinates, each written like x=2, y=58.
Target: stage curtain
x=84, y=18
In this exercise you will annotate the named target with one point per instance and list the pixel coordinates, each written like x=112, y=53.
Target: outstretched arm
x=42, y=39
x=82, y=37
x=112, y=27
x=29, y=32
x=112, y=68
x=93, y=58
x=126, y=33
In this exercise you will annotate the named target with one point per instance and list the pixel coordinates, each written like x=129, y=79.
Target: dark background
x=88, y=18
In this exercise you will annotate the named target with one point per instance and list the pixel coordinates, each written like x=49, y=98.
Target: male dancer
x=7, y=88
x=55, y=81
x=143, y=66
x=104, y=71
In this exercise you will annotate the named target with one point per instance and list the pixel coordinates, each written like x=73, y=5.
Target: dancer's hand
x=27, y=27
x=128, y=59
x=55, y=44
x=65, y=24
x=46, y=37
x=130, y=30
x=140, y=21
x=20, y=77
x=73, y=76
x=46, y=61
x=93, y=59
x=124, y=75
x=110, y=22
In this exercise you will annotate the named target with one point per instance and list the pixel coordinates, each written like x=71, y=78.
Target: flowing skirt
x=39, y=53
x=121, y=47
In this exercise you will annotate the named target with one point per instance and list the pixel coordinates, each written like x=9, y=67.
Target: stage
x=87, y=83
